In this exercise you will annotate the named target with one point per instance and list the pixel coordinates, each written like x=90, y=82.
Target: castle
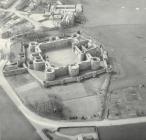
x=92, y=59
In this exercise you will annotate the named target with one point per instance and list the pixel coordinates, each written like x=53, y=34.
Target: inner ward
x=62, y=57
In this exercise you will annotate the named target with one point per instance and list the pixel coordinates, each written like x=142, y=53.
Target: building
x=91, y=59
x=68, y=13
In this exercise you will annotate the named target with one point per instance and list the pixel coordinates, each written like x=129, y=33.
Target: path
x=13, y=124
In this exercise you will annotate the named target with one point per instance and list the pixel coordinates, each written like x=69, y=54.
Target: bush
x=51, y=108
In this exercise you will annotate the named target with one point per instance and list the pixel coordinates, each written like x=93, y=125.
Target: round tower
x=32, y=46
x=38, y=65
x=50, y=74
x=95, y=63
x=73, y=70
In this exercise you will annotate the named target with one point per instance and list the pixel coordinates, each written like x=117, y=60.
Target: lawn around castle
x=74, y=102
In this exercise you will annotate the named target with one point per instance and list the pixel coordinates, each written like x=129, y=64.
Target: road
x=135, y=15
x=40, y=122
x=13, y=124
x=13, y=120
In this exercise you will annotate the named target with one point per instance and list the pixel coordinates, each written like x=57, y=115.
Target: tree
x=52, y=107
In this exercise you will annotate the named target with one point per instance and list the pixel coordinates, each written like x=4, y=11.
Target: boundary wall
x=92, y=60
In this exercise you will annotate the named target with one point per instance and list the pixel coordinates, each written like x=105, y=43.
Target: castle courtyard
x=62, y=57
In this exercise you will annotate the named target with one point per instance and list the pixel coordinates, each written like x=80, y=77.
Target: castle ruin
x=92, y=59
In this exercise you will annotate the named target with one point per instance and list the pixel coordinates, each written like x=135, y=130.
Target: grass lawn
x=77, y=99
x=77, y=90
x=85, y=106
x=62, y=56
x=127, y=102
x=17, y=81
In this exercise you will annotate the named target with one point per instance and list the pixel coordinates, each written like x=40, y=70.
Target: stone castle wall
x=39, y=65
x=15, y=72
x=78, y=78
x=93, y=51
x=50, y=74
x=76, y=69
x=87, y=52
x=85, y=65
x=73, y=70
x=95, y=63
x=56, y=44
x=61, y=71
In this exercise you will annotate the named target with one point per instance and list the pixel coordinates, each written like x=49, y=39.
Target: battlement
x=90, y=58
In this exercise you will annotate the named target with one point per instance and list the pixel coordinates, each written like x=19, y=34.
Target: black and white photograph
x=72, y=69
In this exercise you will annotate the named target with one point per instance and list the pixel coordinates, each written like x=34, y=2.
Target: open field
x=74, y=98
x=126, y=47
x=114, y=12
x=120, y=26
x=127, y=102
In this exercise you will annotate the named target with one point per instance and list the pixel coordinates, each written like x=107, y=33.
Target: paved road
x=49, y=123
x=40, y=122
x=13, y=125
